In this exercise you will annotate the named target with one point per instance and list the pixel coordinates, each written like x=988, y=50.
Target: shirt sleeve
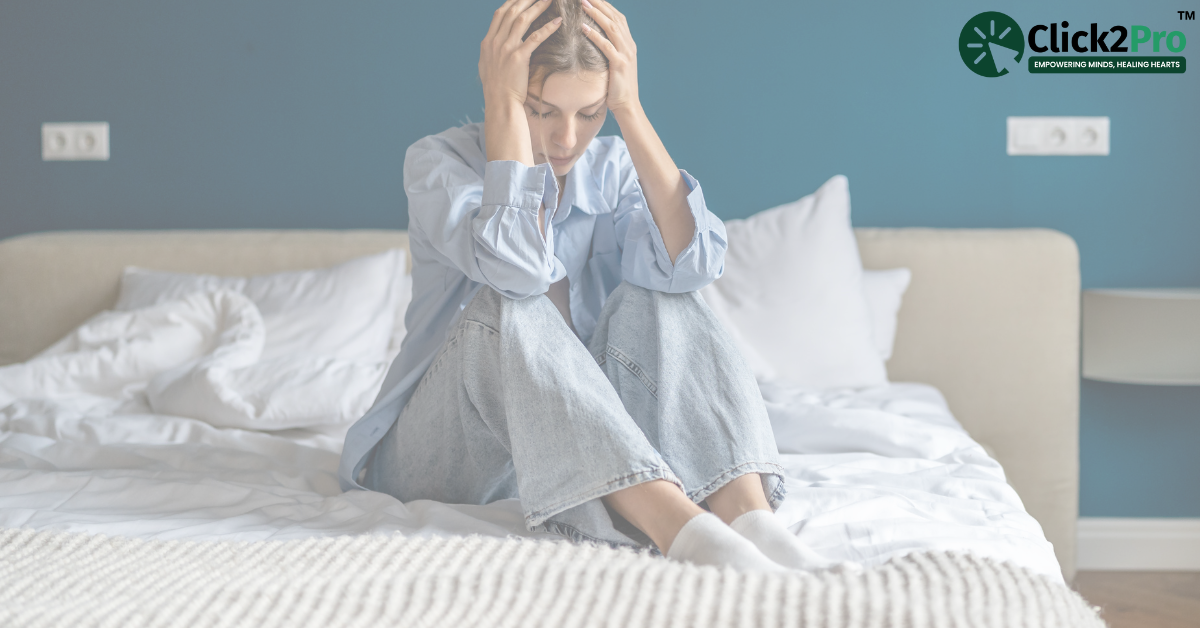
x=644, y=258
x=486, y=226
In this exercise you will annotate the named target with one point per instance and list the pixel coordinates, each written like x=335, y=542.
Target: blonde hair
x=566, y=49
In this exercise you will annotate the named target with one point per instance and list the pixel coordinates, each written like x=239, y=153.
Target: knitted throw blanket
x=71, y=579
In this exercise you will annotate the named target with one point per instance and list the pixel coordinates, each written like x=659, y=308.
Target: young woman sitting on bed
x=557, y=350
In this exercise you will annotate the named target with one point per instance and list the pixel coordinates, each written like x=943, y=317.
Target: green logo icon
x=991, y=44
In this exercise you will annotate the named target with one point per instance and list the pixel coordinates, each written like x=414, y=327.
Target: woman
x=557, y=350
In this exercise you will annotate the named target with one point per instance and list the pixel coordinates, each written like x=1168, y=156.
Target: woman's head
x=568, y=86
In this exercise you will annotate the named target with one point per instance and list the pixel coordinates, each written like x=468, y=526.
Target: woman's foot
x=706, y=540
x=766, y=532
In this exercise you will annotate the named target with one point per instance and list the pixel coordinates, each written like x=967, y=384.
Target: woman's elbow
x=691, y=283
x=696, y=272
x=519, y=283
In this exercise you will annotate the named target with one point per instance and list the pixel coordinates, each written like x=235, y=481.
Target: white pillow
x=346, y=311
x=792, y=294
x=884, y=290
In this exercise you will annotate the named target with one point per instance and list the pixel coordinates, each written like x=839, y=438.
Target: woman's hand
x=621, y=53
x=504, y=58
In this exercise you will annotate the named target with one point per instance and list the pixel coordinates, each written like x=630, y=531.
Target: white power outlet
x=75, y=141
x=1058, y=136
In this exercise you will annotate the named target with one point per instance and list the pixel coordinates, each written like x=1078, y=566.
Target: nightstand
x=1142, y=336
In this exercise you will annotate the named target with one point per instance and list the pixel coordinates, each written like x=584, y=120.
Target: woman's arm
x=504, y=72
x=485, y=214
x=665, y=189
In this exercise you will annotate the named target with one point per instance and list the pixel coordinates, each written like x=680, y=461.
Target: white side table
x=1142, y=336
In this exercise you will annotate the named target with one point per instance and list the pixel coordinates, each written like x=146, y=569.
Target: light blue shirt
x=474, y=223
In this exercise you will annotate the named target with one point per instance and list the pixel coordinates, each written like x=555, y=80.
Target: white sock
x=767, y=532
x=706, y=540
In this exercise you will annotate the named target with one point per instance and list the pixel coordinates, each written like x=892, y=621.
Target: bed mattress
x=872, y=474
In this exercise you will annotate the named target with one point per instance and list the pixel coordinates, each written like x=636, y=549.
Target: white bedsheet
x=872, y=474
x=882, y=472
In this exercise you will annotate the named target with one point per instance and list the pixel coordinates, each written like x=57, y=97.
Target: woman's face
x=564, y=117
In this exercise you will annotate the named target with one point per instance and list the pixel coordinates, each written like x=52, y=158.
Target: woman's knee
x=494, y=326
x=493, y=309
x=628, y=298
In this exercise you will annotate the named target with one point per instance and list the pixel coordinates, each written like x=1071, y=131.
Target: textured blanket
x=69, y=579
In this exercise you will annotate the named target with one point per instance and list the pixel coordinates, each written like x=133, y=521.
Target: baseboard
x=1136, y=544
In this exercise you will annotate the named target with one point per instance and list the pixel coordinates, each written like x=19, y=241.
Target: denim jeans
x=516, y=406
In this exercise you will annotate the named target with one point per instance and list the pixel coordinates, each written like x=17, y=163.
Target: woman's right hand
x=504, y=57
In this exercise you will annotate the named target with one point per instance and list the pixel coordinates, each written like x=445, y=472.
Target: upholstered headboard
x=991, y=318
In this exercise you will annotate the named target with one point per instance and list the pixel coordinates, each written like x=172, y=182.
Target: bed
x=989, y=327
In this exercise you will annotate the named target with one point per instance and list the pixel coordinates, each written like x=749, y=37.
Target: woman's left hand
x=621, y=53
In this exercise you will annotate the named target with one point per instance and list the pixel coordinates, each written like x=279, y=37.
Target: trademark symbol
x=1187, y=15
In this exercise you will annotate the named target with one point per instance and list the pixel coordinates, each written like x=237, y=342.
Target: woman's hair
x=566, y=49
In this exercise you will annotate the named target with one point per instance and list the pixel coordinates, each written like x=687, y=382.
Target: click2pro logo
x=991, y=44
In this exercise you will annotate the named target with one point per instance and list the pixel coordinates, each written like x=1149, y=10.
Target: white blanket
x=162, y=423
x=198, y=356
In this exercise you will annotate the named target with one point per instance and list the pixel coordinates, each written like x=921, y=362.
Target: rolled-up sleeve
x=644, y=258
x=485, y=226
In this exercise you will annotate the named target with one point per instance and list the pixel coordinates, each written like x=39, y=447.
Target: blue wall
x=296, y=114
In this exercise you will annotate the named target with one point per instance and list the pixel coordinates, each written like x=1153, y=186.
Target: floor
x=1144, y=599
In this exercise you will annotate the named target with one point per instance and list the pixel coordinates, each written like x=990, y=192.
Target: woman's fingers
x=595, y=13
x=537, y=37
x=512, y=15
x=617, y=27
x=602, y=43
x=606, y=8
x=497, y=18
x=501, y=20
x=614, y=27
x=526, y=18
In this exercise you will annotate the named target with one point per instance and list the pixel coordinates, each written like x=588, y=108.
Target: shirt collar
x=582, y=191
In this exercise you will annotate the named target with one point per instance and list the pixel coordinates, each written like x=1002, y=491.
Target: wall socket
x=1057, y=136
x=75, y=141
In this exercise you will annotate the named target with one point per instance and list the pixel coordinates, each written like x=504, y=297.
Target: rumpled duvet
x=198, y=357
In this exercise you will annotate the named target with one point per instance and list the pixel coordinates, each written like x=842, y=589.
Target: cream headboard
x=991, y=319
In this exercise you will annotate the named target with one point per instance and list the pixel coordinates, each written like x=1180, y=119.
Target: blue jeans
x=516, y=406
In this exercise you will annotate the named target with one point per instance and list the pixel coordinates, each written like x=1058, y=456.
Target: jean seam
x=737, y=471
x=539, y=516
x=482, y=324
x=634, y=368
x=574, y=534
x=451, y=341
